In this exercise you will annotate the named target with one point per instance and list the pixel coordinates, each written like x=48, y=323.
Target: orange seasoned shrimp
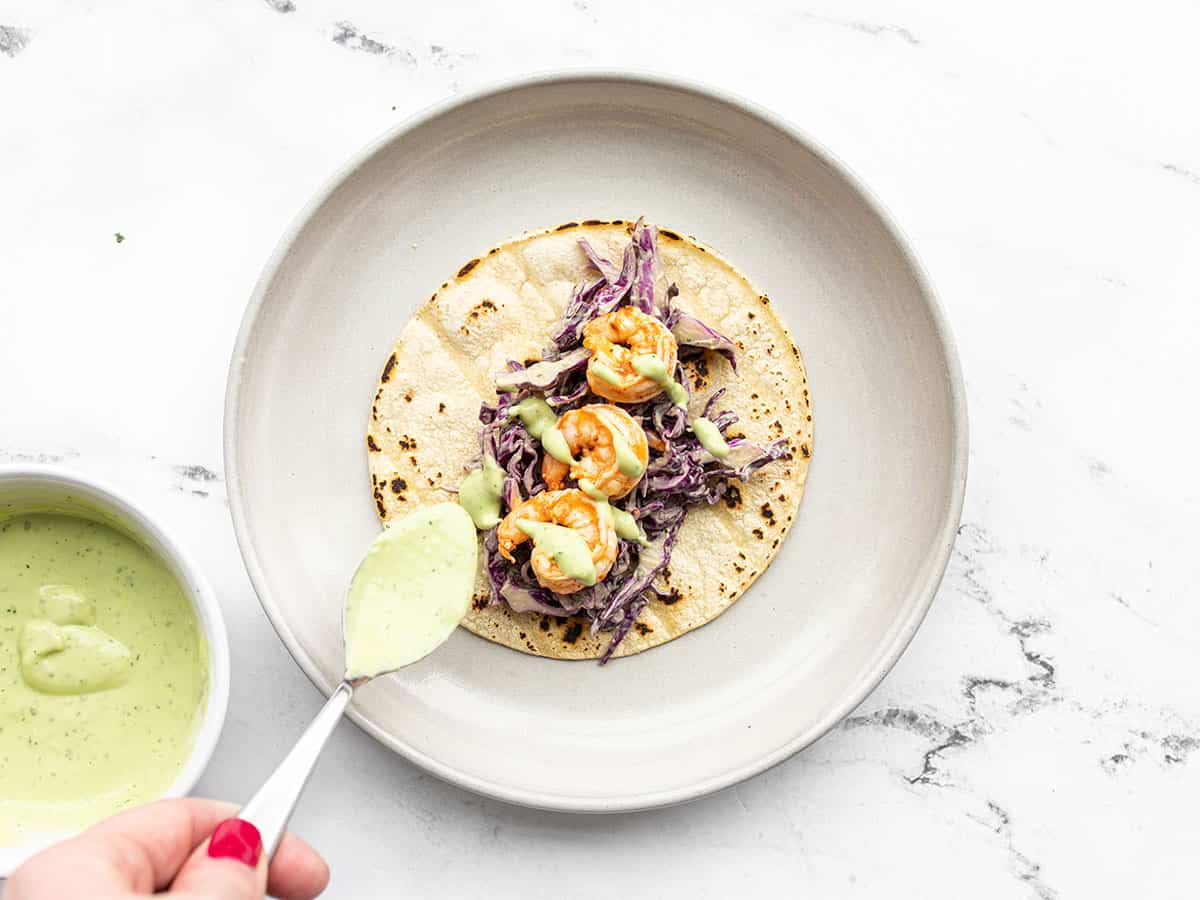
x=592, y=433
x=571, y=509
x=615, y=338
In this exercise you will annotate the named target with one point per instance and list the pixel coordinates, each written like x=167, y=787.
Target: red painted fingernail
x=236, y=839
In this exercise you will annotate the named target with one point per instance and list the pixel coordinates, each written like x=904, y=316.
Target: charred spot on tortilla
x=574, y=630
x=642, y=628
x=371, y=445
x=479, y=601
x=733, y=495
x=567, y=225
x=398, y=485
x=544, y=623
x=387, y=368
x=804, y=451
x=757, y=532
x=663, y=232
x=587, y=222
x=466, y=269
x=441, y=407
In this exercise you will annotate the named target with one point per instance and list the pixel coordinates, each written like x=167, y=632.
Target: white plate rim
x=889, y=654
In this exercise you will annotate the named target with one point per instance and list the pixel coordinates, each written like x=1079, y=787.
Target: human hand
x=165, y=846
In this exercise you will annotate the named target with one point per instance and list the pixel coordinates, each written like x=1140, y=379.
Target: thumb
x=226, y=866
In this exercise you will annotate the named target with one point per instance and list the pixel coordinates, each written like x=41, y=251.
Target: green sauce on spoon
x=410, y=591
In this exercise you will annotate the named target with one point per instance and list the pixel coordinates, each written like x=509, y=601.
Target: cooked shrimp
x=615, y=338
x=592, y=433
x=571, y=509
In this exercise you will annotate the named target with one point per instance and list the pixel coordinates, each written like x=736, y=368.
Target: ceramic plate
x=857, y=572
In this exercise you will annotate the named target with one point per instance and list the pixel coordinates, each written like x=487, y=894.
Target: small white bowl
x=50, y=488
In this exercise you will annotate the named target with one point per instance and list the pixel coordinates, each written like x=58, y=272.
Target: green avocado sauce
x=410, y=591
x=653, y=368
x=603, y=372
x=540, y=420
x=556, y=445
x=480, y=492
x=535, y=414
x=624, y=524
x=627, y=462
x=709, y=437
x=568, y=550
x=103, y=674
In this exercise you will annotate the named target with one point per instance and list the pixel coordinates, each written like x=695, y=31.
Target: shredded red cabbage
x=680, y=475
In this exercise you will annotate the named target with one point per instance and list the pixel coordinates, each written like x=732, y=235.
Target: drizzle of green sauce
x=479, y=494
x=624, y=524
x=653, y=368
x=556, y=445
x=539, y=420
x=627, y=462
x=103, y=674
x=603, y=372
x=709, y=437
x=411, y=590
x=568, y=550
x=535, y=414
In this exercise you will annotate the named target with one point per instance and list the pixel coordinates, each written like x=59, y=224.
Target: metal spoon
x=271, y=807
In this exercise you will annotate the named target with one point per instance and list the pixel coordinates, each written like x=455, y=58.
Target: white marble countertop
x=1041, y=737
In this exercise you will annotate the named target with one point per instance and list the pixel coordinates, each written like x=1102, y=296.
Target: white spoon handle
x=270, y=809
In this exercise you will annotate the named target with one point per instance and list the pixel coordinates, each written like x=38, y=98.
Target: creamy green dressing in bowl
x=114, y=662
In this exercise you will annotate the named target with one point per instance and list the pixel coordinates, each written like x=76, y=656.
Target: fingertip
x=297, y=871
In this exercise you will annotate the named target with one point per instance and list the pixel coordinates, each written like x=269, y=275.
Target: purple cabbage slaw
x=680, y=475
